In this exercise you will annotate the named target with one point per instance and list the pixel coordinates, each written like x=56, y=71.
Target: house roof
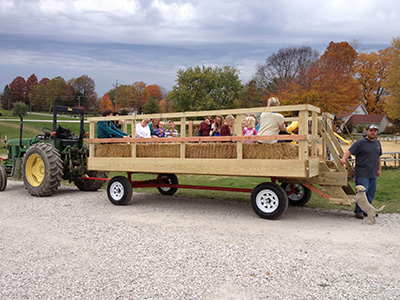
x=348, y=111
x=357, y=119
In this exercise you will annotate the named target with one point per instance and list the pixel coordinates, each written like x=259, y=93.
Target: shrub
x=20, y=108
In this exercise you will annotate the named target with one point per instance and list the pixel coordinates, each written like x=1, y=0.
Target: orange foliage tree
x=328, y=83
x=393, y=84
x=371, y=73
x=155, y=91
x=105, y=103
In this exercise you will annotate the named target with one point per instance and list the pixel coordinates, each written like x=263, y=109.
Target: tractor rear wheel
x=3, y=179
x=42, y=169
x=91, y=185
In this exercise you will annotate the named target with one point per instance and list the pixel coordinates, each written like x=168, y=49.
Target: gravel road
x=77, y=245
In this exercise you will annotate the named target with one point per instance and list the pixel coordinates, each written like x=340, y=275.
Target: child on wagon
x=160, y=131
x=250, y=128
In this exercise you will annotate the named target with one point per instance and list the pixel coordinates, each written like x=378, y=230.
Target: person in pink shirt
x=250, y=129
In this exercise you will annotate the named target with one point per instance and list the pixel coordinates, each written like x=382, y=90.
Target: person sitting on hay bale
x=153, y=127
x=118, y=123
x=107, y=129
x=171, y=132
x=250, y=128
x=142, y=129
x=205, y=126
x=226, y=128
x=160, y=131
x=216, y=126
x=272, y=123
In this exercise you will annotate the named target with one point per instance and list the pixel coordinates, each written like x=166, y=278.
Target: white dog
x=362, y=201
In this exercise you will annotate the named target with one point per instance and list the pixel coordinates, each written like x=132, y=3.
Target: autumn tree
x=371, y=73
x=125, y=97
x=328, y=83
x=282, y=67
x=105, y=103
x=55, y=92
x=206, y=88
x=155, y=91
x=18, y=89
x=141, y=95
x=393, y=83
x=83, y=91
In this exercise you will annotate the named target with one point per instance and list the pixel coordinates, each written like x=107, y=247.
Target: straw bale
x=211, y=150
x=201, y=150
x=158, y=150
x=113, y=150
x=270, y=151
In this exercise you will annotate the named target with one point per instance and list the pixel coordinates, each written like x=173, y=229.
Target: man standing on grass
x=368, y=153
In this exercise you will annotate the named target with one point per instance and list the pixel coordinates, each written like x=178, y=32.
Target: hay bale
x=270, y=151
x=158, y=150
x=211, y=150
x=201, y=150
x=113, y=150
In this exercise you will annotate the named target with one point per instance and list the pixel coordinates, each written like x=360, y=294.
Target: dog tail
x=382, y=207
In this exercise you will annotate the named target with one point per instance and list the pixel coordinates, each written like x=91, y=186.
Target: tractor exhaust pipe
x=21, y=124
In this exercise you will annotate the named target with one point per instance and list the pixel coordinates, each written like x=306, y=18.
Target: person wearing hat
x=368, y=151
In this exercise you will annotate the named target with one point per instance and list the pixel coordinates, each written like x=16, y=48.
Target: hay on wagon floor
x=202, y=150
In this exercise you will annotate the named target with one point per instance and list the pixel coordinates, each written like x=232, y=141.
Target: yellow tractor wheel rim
x=34, y=170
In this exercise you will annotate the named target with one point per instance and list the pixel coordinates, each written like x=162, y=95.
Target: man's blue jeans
x=370, y=190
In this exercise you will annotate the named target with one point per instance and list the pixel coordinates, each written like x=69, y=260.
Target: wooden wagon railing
x=308, y=168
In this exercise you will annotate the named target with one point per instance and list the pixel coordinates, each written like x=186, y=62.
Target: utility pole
x=116, y=95
x=79, y=100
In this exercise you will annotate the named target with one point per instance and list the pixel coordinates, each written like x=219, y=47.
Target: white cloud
x=52, y=6
x=124, y=7
x=6, y=5
x=174, y=13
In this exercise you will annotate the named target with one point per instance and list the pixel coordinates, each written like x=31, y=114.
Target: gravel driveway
x=77, y=245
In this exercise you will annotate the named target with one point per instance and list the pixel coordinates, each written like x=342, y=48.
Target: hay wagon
x=310, y=163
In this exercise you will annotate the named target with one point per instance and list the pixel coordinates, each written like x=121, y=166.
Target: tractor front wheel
x=91, y=185
x=42, y=169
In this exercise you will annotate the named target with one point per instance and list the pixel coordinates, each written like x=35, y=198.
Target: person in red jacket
x=226, y=128
x=205, y=126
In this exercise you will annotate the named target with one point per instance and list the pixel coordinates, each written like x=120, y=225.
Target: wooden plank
x=238, y=132
x=331, y=148
x=91, y=135
x=303, y=130
x=283, y=108
x=324, y=178
x=339, y=149
x=314, y=131
x=190, y=129
x=200, y=139
x=338, y=196
x=226, y=167
x=183, y=134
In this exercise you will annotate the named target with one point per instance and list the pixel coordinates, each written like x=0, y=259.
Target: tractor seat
x=63, y=133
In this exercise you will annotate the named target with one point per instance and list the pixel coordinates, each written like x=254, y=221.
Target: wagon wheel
x=269, y=200
x=119, y=190
x=42, y=169
x=300, y=196
x=3, y=178
x=169, y=179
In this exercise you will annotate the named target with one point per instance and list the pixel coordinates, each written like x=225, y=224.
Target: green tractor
x=43, y=161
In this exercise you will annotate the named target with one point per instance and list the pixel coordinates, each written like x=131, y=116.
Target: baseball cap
x=372, y=126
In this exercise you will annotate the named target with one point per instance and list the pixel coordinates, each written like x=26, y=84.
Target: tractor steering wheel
x=46, y=131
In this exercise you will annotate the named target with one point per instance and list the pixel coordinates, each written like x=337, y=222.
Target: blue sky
x=137, y=40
